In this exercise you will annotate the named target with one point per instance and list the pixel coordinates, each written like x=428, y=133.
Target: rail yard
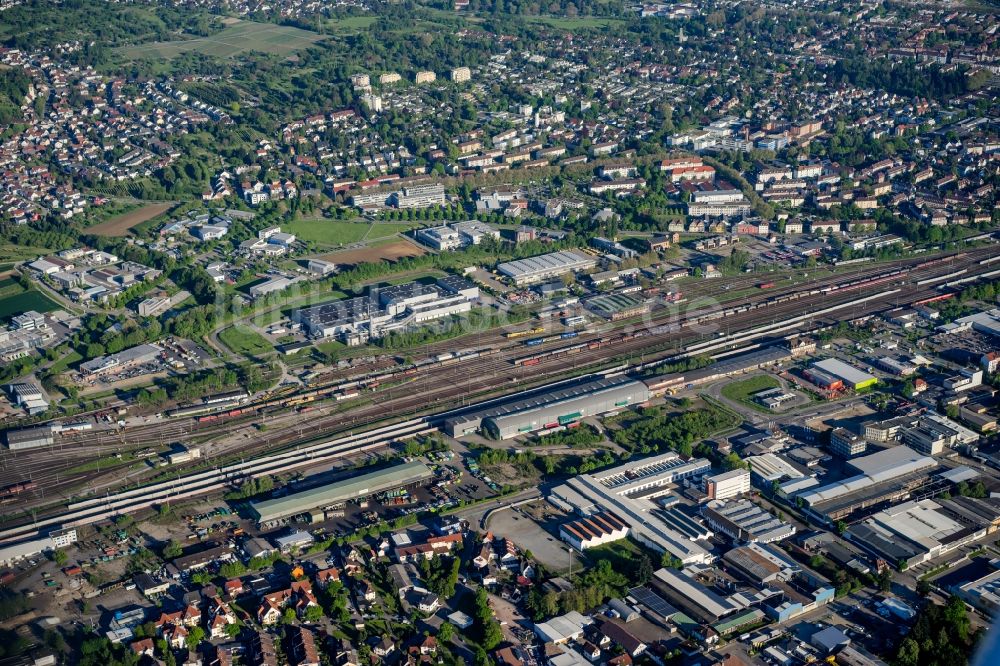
x=415, y=395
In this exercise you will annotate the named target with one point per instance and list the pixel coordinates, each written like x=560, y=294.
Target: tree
x=59, y=556
x=492, y=635
x=172, y=550
x=194, y=638
x=446, y=632
x=644, y=571
x=885, y=580
x=923, y=587
x=314, y=613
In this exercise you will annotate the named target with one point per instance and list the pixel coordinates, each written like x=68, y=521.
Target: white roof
x=843, y=370
x=562, y=628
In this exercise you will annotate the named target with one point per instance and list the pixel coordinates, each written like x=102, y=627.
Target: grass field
x=122, y=224
x=573, y=23
x=63, y=363
x=11, y=254
x=15, y=304
x=245, y=341
x=350, y=24
x=335, y=234
x=237, y=37
x=742, y=390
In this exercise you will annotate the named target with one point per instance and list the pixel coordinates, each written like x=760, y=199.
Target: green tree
x=172, y=550
x=194, y=638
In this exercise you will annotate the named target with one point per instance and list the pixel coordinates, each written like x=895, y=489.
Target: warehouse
x=735, y=365
x=630, y=491
x=884, y=476
x=563, y=410
x=558, y=407
x=682, y=590
x=917, y=531
x=851, y=376
x=129, y=358
x=594, y=530
x=30, y=438
x=617, y=306
x=546, y=266
x=273, y=511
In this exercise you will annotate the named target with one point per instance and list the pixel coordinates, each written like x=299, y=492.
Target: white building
x=728, y=484
x=629, y=492
x=460, y=74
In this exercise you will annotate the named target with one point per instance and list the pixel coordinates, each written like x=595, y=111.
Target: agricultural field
x=14, y=300
x=393, y=250
x=335, y=234
x=122, y=224
x=245, y=341
x=742, y=390
x=236, y=38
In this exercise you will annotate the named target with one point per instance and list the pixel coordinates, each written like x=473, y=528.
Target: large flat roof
x=536, y=400
x=878, y=468
x=701, y=597
x=844, y=371
x=362, y=485
x=545, y=263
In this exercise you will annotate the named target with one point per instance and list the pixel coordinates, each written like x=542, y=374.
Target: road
x=457, y=384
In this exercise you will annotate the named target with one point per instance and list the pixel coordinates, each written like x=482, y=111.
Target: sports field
x=741, y=391
x=237, y=37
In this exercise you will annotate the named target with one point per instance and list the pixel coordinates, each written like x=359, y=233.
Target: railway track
x=462, y=382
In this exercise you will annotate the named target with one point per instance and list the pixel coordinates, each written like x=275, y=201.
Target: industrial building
x=728, y=484
x=546, y=266
x=682, y=590
x=932, y=434
x=983, y=592
x=594, y=530
x=551, y=409
x=617, y=306
x=273, y=511
x=744, y=521
x=630, y=492
x=128, y=358
x=921, y=530
x=887, y=475
x=393, y=308
x=735, y=365
x=767, y=468
x=759, y=564
x=850, y=376
x=30, y=438
x=846, y=444
x=11, y=553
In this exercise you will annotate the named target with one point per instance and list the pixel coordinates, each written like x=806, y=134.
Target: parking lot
x=524, y=525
